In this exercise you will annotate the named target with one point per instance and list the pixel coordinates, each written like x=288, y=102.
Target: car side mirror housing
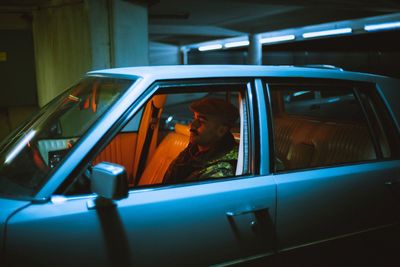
x=109, y=181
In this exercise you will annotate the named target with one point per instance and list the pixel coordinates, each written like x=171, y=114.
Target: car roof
x=213, y=71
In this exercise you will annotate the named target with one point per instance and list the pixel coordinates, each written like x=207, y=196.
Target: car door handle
x=232, y=214
x=259, y=224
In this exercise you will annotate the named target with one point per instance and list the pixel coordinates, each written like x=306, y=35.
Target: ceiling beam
x=192, y=30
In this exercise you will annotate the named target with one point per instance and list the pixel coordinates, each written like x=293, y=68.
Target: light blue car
x=317, y=180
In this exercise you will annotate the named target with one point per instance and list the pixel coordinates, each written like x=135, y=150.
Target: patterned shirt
x=192, y=165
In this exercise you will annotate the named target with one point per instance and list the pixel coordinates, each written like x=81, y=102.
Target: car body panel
x=170, y=225
x=329, y=203
x=209, y=71
x=8, y=207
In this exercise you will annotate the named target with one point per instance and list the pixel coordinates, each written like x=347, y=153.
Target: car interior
x=315, y=134
x=147, y=152
x=312, y=128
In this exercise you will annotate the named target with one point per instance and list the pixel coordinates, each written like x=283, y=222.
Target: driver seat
x=166, y=152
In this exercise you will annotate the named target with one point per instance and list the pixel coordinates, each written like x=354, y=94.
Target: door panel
x=337, y=211
x=121, y=150
x=171, y=226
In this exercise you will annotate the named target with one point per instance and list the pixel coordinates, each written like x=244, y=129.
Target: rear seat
x=346, y=143
x=166, y=152
x=303, y=143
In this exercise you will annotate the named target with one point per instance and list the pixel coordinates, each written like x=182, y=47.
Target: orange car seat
x=166, y=152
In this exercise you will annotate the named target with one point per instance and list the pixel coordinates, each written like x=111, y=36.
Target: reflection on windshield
x=29, y=155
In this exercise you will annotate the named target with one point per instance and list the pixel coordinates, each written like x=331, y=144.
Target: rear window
x=328, y=124
x=323, y=103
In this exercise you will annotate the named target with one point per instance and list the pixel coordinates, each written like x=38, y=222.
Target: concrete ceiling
x=182, y=22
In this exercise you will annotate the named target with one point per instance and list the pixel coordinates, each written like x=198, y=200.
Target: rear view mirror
x=109, y=181
x=55, y=129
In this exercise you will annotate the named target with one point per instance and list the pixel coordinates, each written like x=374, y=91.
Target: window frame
x=355, y=87
x=381, y=118
x=138, y=104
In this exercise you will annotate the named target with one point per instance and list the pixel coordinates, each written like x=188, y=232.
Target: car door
x=225, y=221
x=179, y=226
x=334, y=205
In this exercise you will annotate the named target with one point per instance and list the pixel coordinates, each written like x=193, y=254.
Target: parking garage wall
x=62, y=48
x=17, y=71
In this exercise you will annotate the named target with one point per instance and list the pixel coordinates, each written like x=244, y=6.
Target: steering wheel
x=37, y=158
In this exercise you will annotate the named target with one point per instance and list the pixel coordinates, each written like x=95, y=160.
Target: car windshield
x=30, y=154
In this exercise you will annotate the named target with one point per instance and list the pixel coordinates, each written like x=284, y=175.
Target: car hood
x=7, y=208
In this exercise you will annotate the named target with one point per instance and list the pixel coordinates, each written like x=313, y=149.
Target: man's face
x=205, y=131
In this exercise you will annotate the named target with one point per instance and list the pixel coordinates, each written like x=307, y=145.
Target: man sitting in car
x=212, y=151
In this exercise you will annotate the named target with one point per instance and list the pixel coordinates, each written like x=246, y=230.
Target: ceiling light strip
x=327, y=33
x=382, y=26
x=210, y=47
x=277, y=39
x=236, y=44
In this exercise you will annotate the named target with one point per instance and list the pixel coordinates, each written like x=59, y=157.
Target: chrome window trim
x=263, y=122
x=251, y=118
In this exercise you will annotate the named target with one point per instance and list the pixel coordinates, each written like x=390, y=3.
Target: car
x=316, y=183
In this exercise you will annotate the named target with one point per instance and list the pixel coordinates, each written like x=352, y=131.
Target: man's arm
x=219, y=170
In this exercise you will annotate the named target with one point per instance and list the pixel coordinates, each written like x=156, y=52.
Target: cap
x=219, y=109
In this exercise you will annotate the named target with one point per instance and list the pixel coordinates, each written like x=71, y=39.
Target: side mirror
x=109, y=181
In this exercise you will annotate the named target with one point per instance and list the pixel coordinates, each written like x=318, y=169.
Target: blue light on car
x=336, y=99
x=300, y=93
x=22, y=143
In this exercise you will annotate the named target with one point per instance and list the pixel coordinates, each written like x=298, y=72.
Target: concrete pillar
x=99, y=25
x=163, y=54
x=119, y=33
x=184, y=56
x=129, y=34
x=254, y=56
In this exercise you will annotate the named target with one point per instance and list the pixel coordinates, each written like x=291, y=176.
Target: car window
x=163, y=132
x=29, y=157
x=326, y=128
x=322, y=103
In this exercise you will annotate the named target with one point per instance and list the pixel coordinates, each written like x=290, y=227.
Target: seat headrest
x=159, y=100
x=182, y=129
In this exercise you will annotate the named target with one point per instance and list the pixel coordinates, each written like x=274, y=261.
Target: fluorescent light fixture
x=277, y=39
x=327, y=33
x=237, y=44
x=382, y=26
x=24, y=141
x=210, y=47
